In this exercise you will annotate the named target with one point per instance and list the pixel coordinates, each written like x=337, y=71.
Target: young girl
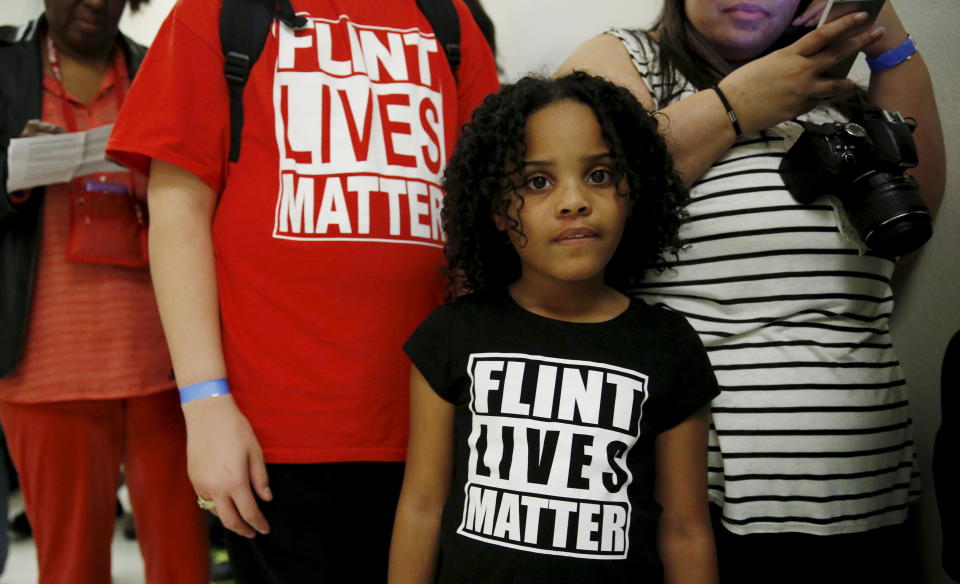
x=558, y=428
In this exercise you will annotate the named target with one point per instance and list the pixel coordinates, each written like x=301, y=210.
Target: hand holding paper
x=57, y=158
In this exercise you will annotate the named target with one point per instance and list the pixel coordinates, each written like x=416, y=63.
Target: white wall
x=142, y=25
x=19, y=11
x=536, y=35
x=928, y=311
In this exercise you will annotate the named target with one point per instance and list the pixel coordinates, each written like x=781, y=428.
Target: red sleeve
x=478, y=71
x=177, y=109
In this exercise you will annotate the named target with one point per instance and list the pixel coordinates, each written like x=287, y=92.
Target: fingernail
x=860, y=16
x=878, y=31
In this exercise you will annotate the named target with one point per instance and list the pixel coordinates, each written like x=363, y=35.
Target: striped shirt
x=94, y=330
x=811, y=432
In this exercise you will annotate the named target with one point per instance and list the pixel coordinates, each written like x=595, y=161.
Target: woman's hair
x=684, y=51
x=480, y=182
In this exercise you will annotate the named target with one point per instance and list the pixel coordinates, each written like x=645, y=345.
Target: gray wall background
x=536, y=35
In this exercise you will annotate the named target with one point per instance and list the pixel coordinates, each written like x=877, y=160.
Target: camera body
x=864, y=164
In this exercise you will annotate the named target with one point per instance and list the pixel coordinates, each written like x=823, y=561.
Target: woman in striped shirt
x=811, y=435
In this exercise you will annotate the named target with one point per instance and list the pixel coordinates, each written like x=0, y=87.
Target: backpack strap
x=244, y=25
x=442, y=15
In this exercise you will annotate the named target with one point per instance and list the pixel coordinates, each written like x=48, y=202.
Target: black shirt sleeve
x=431, y=349
x=691, y=384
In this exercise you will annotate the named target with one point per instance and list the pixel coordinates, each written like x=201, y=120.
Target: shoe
x=129, y=528
x=220, y=569
x=20, y=526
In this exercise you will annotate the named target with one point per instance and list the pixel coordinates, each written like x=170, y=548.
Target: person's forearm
x=413, y=551
x=689, y=557
x=907, y=88
x=224, y=459
x=184, y=277
x=698, y=132
x=426, y=483
x=684, y=533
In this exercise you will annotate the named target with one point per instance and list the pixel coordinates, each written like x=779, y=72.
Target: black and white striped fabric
x=811, y=432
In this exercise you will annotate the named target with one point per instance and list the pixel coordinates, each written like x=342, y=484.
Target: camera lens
x=889, y=213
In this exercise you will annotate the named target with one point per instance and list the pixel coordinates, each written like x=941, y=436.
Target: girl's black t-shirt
x=555, y=429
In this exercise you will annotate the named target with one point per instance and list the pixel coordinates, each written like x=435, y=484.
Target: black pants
x=322, y=517
x=887, y=555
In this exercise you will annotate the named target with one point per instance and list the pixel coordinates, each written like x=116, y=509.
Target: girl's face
x=740, y=30
x=572, y=216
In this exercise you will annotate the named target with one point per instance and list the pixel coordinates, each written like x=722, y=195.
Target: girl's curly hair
x=479, y=182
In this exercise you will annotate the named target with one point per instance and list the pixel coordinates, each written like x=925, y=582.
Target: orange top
x=94, y=331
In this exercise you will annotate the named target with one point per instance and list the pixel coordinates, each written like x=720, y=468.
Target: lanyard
x=68, y=116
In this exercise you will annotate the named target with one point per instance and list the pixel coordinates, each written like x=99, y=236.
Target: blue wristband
x=894, y=56
x=211, y=388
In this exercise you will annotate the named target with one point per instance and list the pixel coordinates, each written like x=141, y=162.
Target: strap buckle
x=236, y=68
x=453, y=56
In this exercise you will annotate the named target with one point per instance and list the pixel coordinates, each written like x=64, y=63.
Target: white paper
x=57, y=158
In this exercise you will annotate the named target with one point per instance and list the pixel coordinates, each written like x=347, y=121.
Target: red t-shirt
x=327, y=238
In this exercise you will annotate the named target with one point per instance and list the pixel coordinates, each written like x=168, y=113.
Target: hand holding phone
x=838, y=8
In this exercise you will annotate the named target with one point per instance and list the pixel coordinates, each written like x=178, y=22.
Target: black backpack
x=244, y=25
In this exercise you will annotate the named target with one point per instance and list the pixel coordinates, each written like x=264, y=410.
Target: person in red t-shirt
x=298, y=271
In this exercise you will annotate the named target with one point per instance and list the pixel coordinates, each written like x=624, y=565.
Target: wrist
x=893, y=57
x=890, y=40
x=200, y=414
x=728, y=110
x=894, y=32
x=747, y=115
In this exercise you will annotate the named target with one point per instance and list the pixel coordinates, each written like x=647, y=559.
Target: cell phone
x=838, y=8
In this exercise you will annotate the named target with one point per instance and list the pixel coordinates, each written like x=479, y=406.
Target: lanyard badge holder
x=108, y=223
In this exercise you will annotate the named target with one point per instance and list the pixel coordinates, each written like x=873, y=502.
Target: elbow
x=688, y=553
x=678, y=537
x=425, y=506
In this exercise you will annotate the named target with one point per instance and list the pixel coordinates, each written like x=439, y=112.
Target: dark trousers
x=887, y=555
x=322, y=518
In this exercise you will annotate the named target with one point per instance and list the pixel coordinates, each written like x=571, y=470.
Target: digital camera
x=864, y=163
